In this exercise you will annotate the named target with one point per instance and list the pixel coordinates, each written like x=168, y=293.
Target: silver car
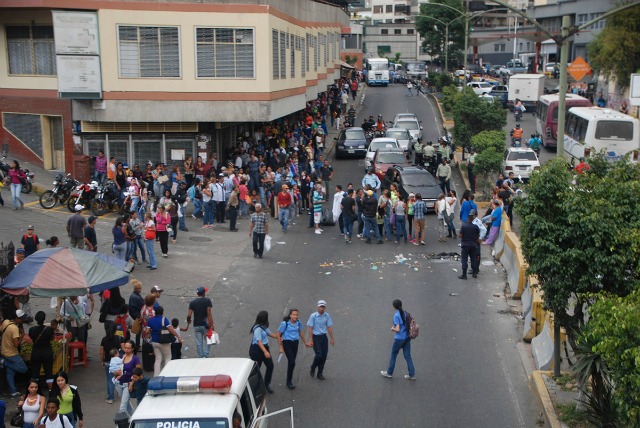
x=412, y=125
x=403, y=136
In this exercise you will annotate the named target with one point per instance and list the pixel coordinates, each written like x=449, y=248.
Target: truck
x=528, y=88
x=206, y=393
x=515, y=66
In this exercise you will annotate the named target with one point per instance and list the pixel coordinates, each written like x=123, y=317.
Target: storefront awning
x=345, y=65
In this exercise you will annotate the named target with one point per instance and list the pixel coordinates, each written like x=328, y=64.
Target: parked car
x=383, y=159
x=480, y=88
x=379, y=143
x=403, y=136
x=411, y=124
x=500, y=92
x=521, y=161
x=494, y=71
x=404, y=116
x=351, y=142
x=413, y=179
x=548, y=67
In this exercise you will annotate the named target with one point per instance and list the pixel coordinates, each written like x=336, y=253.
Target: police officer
x=418, y=148
x=469, y=238
x=473, y=214
x=371, y=179
x=320, y=324
x=470, y=164
x=429, y=156
x=444, y=176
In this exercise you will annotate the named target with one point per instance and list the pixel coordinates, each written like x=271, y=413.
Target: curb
x=540, y=391
x=38, y=189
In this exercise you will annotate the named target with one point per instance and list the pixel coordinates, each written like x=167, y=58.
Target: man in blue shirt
x=320, y=324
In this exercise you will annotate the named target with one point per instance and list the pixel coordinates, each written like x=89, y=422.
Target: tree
x=434, y=32
x=396, y=59
x=351, y=60
x=473, y=115
x=441, y=81
x=489, y=145
x=581, y=237
x=615, y=51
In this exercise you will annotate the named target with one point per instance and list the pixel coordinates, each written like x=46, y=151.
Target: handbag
x=136, y=327
x=17, y=420
x=392, y=220
x=165, y=334
x=150, y=235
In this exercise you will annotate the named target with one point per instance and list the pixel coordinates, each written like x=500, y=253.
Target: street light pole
x=466, y=44
x=446, y=47
x=564, y=59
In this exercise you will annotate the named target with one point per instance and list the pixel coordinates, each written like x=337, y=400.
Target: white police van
x=205, y=393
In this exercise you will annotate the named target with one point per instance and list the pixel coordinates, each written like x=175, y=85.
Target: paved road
x=469, y=372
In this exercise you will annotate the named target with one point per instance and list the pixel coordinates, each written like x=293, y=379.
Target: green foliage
x=616, y=49
x=351, y=60
x=488, y=163
x=568, y=415
x=396, y=58
x=450, y=96
x=613, y=335
x=433, y=32
x=486, y=139
x=473, y=115
x=581, y=237
x=441, y=80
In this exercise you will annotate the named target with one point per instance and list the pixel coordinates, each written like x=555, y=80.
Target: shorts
x=317, y=217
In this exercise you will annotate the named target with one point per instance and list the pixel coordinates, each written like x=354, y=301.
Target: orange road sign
x=579, y=68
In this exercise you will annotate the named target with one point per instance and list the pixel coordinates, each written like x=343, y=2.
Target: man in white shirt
x=219, y=199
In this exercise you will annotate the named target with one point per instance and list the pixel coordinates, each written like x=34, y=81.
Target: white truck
x=206, y=393
x=527, y=88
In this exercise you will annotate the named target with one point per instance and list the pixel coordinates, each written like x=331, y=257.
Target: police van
x=205, y=393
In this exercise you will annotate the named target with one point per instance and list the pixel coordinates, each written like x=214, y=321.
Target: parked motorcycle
x=62, y=187
x=83, y=195
x=4, y=168
x=106, y=198
x=27, y=184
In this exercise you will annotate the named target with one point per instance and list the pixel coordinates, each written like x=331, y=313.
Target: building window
x=377, y=9
x=581, y=18
x=410, y=31
x=397, y=31
x=389, y=8
x=304, y=57
x=31, y=50
x=384, y=49
x=499, y=47
x=225, y=52
x=275, y=54
x=598, y=25
x=308, y=53
x=316, y=53
x=149, y=51
x=384, y=31
x=294, y=46
x=283, y=55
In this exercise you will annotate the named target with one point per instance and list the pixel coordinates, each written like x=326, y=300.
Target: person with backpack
x=259, y=349
x=289, y=331
x=30, y=242
x=53, y=419
x=123, y=324
x=401, y=340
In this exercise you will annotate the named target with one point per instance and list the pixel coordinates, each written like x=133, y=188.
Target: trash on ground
x=453, y=294
x=374, y=267
x=327, y=273
x=281, y=243
x=496, y=294
x=454, y=269
x=487, y=263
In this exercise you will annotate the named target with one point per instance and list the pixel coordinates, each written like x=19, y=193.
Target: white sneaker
x=385, y=374
x=407, y=377
x=321, y=230
x=318, y=232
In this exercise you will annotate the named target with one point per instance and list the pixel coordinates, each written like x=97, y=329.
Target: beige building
x=145, y=81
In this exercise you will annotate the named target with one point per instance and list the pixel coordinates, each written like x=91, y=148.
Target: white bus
x=377, y=71
x=589, y=130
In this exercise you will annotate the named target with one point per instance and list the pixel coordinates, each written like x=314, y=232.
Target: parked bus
x=416, y=69
x=377, y=71
x=590, y=130
x=547, y=116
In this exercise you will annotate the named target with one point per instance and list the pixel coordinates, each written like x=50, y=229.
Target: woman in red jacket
x=16, y=175
x=163, y=219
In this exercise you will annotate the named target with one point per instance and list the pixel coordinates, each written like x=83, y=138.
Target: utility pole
x=564, y=59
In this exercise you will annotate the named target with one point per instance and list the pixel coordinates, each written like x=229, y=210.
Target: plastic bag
x=267, y=242
x=214, y=339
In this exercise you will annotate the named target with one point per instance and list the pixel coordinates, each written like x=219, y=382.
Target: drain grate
x=200, y=239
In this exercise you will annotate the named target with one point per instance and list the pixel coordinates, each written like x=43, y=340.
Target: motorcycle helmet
x=517, y=126
x=94, y=184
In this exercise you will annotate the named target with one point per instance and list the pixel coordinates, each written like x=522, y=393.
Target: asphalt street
x=468, y=367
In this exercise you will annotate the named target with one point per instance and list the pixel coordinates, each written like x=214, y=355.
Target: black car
x=351, y=142
x=413, y=179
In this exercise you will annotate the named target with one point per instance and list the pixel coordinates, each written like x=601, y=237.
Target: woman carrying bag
x=162, y=334
x=31, y=405
x=259, y=350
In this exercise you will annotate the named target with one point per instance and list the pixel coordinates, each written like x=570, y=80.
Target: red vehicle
x=82, y=195
x=386, y=158
x=547, y=116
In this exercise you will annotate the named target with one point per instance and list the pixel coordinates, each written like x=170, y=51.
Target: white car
x=412, y=125
x=403, y=136
x=521, y=161
x=404, y=116
x=379, y=143
x=480, y=88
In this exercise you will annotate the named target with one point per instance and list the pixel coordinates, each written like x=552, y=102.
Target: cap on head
x=20, y=314
x=201, y=291
x=473, y=212
x=20, y=251
x=322, y=303
x=29, y=227
x=79, y=208
x=156, y=289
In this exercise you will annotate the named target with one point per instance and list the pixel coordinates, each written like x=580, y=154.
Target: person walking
x=259, y=350
x=16, y=176
x=320, y=324
x=11, y=340
x=130, y=361
x=30, y=242
x=469, y=237
x=75, y=228
x=289, y=333
x=150, y=239
x=163, y=220
x=409, y=88
x=200, y=311
x=90, y=237
x=119, y=232
x=100, y=167
x=348, y=207
x=402, y=341
x=69, y=399
x=32, y=404
x=284, y=201
x=443, y=173
x=109, y=342
x=471, y=162
x=161, y=350
x=136, y=302
x=258, y=230
x=400, y=210
x=369, y=212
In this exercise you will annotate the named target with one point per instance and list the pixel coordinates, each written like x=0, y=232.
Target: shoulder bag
x=17, y=420
x=165, y=334
x=136, y=327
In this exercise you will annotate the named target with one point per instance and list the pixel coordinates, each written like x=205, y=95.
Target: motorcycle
x=517, y=114
x=516, y=142
x=82, y=195
x=62, y=187
x=106, y=198
x=4, y=168
x=27, y=183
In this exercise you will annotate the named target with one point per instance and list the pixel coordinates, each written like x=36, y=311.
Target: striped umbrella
x=59, y=272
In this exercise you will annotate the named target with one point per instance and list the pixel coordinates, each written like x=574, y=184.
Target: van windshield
x=182, y=423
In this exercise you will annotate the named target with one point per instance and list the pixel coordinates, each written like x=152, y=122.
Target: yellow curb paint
x=540, y=389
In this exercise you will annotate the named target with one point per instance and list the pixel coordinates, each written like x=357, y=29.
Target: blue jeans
x=134, y=204
x=125, y=398
x=14, y=365
x=98, y=176
x=263, y=198
x=197, y=205
x=201, y=341
x=110, y=386
x=244, y=208
x=120, y=251
x=151, y=252
x=405, y=345
x=284, y=217
x=401, y=227
x=208, y=212
x=181, y=223
x=132, y=249
x=347, y=225
x=369, y=225
x=387, y=227
x=16, y=189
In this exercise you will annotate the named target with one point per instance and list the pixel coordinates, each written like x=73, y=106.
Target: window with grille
x=410, y=31
x=25, y=127
x=397, y=31
x=31, y=50
x=389, y=8
x=283, y=55
x=294, y=46
x=276, y=54
x=304, y=55
x=377, y=9
x=316, y=53
x=149, y=51
x=338, y=38
x=384, y=31
x=225, y=53
x=308, y=51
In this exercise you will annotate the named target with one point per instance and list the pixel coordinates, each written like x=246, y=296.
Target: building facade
x=157, y=81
